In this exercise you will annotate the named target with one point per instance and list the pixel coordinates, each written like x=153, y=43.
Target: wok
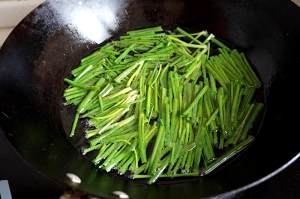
x=44, y=47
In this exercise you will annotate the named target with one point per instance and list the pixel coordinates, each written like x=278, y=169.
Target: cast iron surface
x=26, y=182
x=44, y=47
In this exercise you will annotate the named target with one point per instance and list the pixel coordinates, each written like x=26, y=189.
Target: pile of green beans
x=164, y=104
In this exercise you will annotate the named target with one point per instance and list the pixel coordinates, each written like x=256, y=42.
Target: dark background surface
x=285, y=185
x=22, y=178
x=25, y=181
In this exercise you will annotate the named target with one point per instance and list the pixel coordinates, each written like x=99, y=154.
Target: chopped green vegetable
x=162, y=104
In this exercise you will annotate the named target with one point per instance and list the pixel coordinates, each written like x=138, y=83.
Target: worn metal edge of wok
x=259, y=181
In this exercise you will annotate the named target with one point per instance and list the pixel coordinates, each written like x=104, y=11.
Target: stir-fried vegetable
x=164, y=104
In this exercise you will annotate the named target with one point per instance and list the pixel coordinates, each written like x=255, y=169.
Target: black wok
x=44, y=47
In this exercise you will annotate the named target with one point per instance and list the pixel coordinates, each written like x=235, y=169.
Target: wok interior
x=40, y=53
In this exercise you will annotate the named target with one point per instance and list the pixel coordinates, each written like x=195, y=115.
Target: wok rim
x=260, y=180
